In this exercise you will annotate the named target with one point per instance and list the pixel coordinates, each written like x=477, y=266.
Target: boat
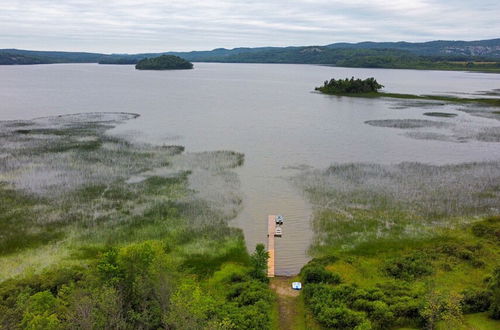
x=278, y=232
x=279, y=219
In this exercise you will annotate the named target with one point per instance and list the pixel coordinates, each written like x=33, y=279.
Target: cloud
x=160, y=25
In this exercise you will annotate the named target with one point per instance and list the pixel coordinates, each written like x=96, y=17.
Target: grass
x=479, y=321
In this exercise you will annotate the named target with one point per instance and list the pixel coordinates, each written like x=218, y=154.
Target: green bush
x=318, y=274
x=340, y=317
x=409, y=267
x=488, y=228
x=475, y=301
x=494, y=290
x=40, y=312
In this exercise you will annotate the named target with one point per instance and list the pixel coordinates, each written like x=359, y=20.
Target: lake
x=270, y=113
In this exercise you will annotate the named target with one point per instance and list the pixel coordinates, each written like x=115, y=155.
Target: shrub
x=340, y=317
x=40, y=312
x=488, y=228
x=409, y=267
x=475, y=301
x=318, y=274
x=494, y=290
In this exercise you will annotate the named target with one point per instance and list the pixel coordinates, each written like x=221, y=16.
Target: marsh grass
x=406, y=123
x=440, y=114
x=360, y=204
x=494, y=102
x=70, y=188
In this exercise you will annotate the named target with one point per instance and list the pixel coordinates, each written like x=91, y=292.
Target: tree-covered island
x=370, y=88
x=164, y=62
x=350, y=86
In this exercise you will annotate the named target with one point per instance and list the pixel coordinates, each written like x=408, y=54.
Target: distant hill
x=55, y=56
x=482, y=55
x=488, y=48
x=17, y=59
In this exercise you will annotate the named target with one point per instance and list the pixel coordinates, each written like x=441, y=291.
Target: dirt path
x=288, y=302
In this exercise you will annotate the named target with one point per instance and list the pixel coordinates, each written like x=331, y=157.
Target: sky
x=128, y=26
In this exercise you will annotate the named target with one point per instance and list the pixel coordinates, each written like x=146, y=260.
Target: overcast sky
x=164, y=25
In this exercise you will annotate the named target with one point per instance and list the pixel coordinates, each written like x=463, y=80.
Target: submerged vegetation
x=164, y=62
x=357, y=204
x=100, y=232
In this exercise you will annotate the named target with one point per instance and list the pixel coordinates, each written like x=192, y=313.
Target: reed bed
x=360, y=203
x=68, y=187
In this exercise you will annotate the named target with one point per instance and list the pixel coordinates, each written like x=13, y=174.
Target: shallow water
x=266, y=111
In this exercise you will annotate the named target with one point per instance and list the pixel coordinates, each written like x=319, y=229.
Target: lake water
x=269, y=112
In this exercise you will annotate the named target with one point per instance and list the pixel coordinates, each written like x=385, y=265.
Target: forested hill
x=11, y=59
x=38, y=57
x=483, y=55
x=488, y=48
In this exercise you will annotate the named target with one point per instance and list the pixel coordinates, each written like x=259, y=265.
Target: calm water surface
x=266, y=111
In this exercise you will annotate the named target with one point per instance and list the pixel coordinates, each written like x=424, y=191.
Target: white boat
x=278, y=232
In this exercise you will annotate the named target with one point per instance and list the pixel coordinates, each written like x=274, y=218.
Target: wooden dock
x=271, y=228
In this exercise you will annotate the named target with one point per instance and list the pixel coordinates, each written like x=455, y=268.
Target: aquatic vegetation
x=406, y=123
x=451, y=131
x=489, y=134
x=440, y=114
x=359, y=203
x=97, y=231
x=67, y=183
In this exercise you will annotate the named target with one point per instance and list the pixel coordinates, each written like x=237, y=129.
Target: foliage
x=258, y=261
x=164, y=62
x=494, y=289
x=475, y=300
x=350, y=86
x=488, y=228
x=40, y=312
x=427, y=283
x=442, y=307
x=316, y=273
x=409, y=267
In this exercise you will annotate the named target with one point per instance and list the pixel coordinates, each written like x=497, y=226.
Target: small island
x=350, y=86
x=370, y=88
x=164, y=62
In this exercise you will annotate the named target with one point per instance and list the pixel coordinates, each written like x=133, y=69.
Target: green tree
x=258, y=261
x=190, y=307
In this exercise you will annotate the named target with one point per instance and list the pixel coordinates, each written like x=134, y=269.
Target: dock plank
x=271, y=228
